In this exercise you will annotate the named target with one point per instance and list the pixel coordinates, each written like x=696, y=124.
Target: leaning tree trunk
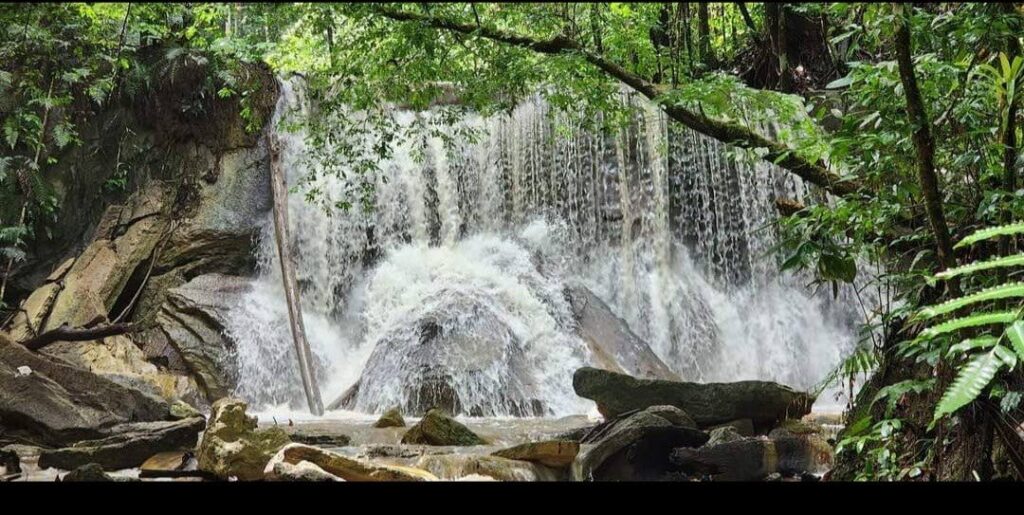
x=291, y=290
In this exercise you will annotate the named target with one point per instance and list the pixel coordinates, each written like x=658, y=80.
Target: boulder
x=390, y=418
x=301, y=471
x=458, y=354
x=460, y=466
x=349, y=469
x=765, y=403
x=437, y=428
x=128, y=445
x=745, y=459
x=612, y=344
x=723, y=434
x=743, y=426
x=89, y=472
x=801, y=448
x=119, y=359
x=552, y=453
x=171, y=464
x=280, y=470
x=636, y=445
x=192, y=321
x=232, y=446
x=58, y=404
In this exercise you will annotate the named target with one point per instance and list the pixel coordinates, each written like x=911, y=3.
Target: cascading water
x=474, y=242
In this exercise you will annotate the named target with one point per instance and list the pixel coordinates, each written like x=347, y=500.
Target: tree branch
x=814, y=172
x=76, y=334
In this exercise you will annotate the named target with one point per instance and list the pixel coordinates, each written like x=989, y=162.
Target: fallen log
x=65, y=333
x=291, y=289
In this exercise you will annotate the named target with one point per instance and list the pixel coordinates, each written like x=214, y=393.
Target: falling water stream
x=480, y=238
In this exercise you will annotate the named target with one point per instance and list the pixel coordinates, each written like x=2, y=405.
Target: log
x=64, y=333
x=291, y=290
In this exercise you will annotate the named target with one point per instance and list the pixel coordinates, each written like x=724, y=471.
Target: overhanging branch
x=814, y=172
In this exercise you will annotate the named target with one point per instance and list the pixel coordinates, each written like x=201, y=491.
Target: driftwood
x=64, y=333
x=291, y=290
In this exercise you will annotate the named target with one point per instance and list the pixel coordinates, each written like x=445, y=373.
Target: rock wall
x=195, y=183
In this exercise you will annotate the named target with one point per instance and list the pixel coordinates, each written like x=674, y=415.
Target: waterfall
x=479, y=237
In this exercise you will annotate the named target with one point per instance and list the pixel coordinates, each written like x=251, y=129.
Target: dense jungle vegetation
x=905, y=117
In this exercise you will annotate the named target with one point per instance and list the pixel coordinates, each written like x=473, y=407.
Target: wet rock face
x=612, y=344
x=193, y=321
x=460, y=357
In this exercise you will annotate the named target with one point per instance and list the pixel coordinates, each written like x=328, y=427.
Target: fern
x=973, y=378
x=981, y=342
x=1005, y=261
x=991, y=232
x=1003, y=291
x=956, y=324
x=1015, y=333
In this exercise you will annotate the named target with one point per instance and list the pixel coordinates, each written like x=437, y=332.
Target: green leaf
x=1002, y=291
x=991, y=232
x=1005, y=261
x=973, y=378
x=1000, y=317
x=1015, y=333
x=981, y=342
x=840, y=83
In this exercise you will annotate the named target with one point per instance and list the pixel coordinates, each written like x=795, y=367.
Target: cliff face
x=168, y=185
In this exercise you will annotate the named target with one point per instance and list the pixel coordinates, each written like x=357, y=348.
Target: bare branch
x=64, y=333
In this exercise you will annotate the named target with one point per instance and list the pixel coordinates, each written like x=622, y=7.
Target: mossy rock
x=437, y=428
x=390, y=418
x=232, y=446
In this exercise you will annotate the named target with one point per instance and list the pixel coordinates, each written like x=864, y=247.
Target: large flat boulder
x=635, y=446
x=764, y=402
x=129, y=445
x=56, y=404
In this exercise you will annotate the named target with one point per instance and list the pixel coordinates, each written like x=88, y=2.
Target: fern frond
x=1005, y=355
x=999, y=317
x=981, y=342
x=991, y=232
x=973, y=378
x=970, y=268
x=1015, y=333
x=1002, y=291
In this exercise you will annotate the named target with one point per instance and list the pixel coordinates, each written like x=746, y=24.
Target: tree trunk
x=1009, y=143
x=291, y=290
x=704, y=31
x=924, y=144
